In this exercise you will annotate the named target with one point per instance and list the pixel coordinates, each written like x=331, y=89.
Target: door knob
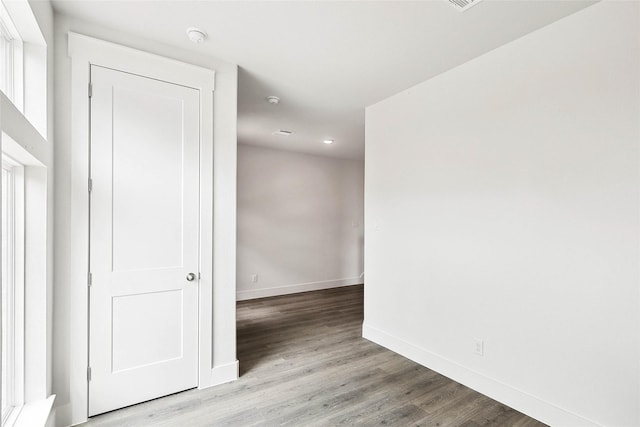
x=191, y=277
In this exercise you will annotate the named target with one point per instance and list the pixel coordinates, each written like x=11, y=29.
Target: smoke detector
x=273, y=100
x=196, y=35
x=463, y=5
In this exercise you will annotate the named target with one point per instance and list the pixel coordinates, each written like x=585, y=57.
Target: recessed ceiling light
x=273, y=100
x=328, y=141
x=196, y=35
x=282, y=132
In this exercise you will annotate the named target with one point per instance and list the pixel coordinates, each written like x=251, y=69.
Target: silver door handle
x=191, y=277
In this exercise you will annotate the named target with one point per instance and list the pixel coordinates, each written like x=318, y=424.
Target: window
x=10, y=56
x=25, y=355
x=12, y=291
x=6, y=53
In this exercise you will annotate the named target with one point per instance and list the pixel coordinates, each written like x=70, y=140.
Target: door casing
x=216, y=336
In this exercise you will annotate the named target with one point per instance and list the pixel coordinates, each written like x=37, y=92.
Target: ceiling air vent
x=463, y=5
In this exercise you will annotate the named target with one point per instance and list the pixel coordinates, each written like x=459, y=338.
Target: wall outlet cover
x=478, y=347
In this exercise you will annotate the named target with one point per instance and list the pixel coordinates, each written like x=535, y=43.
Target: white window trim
x=14, y=127
x=29, y=59
x=17, y=273
x=23, y=130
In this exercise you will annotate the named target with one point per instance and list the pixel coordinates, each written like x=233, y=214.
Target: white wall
x=502, y=204
x=68, y=378
x=300, y=222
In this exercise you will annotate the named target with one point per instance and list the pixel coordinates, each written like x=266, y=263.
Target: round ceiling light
x=196, y=35
x=273, y=100
x=328, y=141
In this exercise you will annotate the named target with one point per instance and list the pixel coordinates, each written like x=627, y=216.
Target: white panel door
x=144, y=239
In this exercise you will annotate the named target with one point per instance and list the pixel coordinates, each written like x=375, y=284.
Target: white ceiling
x=326, y=60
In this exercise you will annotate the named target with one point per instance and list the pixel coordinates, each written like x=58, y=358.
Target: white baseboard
x=221, y=374
x=293, y=289
x=517, y=399
x=61, y=416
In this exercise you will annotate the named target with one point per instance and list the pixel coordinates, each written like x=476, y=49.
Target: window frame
x=16, y=266
x=11, y=77
x=6, y=55
x=24, y=135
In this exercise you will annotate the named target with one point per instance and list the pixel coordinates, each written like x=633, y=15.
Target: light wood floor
x=303, y=363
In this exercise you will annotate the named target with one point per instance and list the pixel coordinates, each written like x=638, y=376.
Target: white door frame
x=85, y=51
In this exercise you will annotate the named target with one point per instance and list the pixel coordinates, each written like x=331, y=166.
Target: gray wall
x=299, y=222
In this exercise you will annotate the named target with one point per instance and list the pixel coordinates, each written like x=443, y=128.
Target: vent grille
x=463, y=5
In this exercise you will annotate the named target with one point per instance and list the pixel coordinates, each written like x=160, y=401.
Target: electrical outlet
x=254, y=278
x=478, y=347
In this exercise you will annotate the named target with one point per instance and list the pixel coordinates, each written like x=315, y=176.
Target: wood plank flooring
x=303, y=363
